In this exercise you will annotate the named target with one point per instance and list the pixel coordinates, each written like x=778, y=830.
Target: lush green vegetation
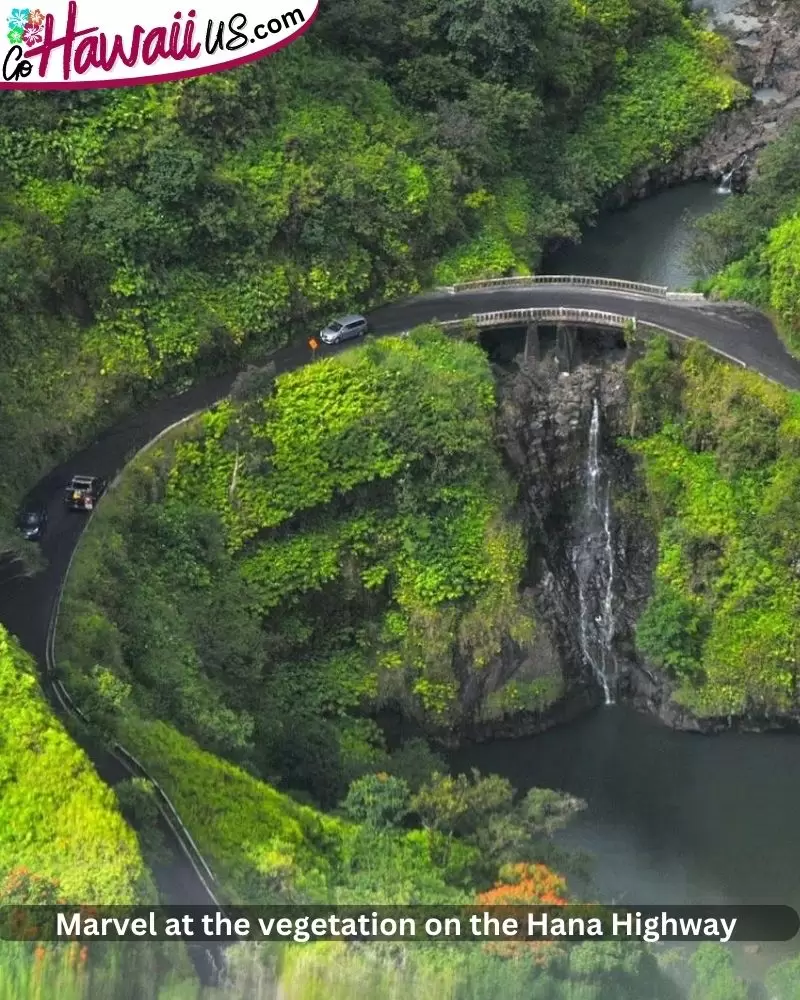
x=591, y=971
x=263, y=845
x=266, y=847
x=345, y=542
x=130, y=971
x=341, y=523
x=752, y=246
x=150, y=233
x=58, y=821
x=336, y=541
x=63, y=839
x=720, y=453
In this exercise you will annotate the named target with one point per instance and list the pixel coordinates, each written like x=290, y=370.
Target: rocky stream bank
x=765, y=42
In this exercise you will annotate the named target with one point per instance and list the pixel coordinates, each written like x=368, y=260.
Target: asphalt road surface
x=26, y=603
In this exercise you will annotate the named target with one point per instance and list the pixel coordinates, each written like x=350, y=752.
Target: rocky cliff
x=590, y=564
x=591, y=551
x=765, y=43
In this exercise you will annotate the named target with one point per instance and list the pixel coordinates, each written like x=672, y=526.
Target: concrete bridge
x=736, y=331
x=575, y=280
x=567, y=323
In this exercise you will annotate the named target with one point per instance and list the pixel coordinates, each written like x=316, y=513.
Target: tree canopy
x=150, y=234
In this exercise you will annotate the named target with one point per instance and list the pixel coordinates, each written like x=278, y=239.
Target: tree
x=254, y=384
x=378, y=800
x=20, y=889
x=523, y=830
x=714, y=975
x=524, y=884
x=503, y=42
x=782, y=254
x=783, y=980
x=672, y=629
x=137, y=799
x=460, y=805
x=23, y=887
x=656, y=383
x=546, y=811
x=415, y=763
x=481, y=811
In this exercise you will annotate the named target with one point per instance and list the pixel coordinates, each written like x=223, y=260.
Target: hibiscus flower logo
x=25, y=25
x=18, y=18
x=32, y=35
x=16, y=24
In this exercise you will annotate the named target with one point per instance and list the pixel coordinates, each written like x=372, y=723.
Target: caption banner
x=390, y=923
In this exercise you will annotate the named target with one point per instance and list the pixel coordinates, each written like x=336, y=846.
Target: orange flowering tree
x=525, y=884
x=27, y=888
x=21, y=888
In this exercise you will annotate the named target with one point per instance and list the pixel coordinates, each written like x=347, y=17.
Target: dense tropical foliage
x=752, y=247
x=49, y=785
x=345, y=542
x=149, y=233
x=720, y=453
x=344, y=539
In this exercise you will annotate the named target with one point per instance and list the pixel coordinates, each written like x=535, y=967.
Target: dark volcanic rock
x=544, y=427
x=545, y=418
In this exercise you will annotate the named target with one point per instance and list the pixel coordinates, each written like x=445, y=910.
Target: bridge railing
x=579, y=280
x=557, y=314
x=592, y=317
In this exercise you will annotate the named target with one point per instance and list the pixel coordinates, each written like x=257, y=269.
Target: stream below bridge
x=648, y=241
x=673, y=817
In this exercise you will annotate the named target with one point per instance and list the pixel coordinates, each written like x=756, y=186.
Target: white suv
x=344, y=328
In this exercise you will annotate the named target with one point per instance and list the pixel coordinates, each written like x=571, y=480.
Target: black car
x=33, y=523
x=83, y=492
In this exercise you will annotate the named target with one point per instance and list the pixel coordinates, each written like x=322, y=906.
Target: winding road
x=27, y=603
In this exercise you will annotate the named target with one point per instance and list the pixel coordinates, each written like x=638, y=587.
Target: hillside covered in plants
x=345, y=535
x=338, y=539
x=719, y=452
x=344, y=544
x=152, y=233
x=751, y=248
x=49, y=784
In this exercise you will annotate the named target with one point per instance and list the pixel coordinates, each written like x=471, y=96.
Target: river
x=647, y=241
x=672, y=817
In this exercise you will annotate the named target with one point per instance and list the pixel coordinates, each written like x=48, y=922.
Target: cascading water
x=593, y=563
x=726, y=182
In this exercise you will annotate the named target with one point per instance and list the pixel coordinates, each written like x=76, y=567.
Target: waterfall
x=593, y=462
x=593, y=564
x=726, y=183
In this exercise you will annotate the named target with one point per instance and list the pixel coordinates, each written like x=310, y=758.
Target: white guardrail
x=556, y=314
x=582, y=281
x=134, y=767
x=577, y=280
